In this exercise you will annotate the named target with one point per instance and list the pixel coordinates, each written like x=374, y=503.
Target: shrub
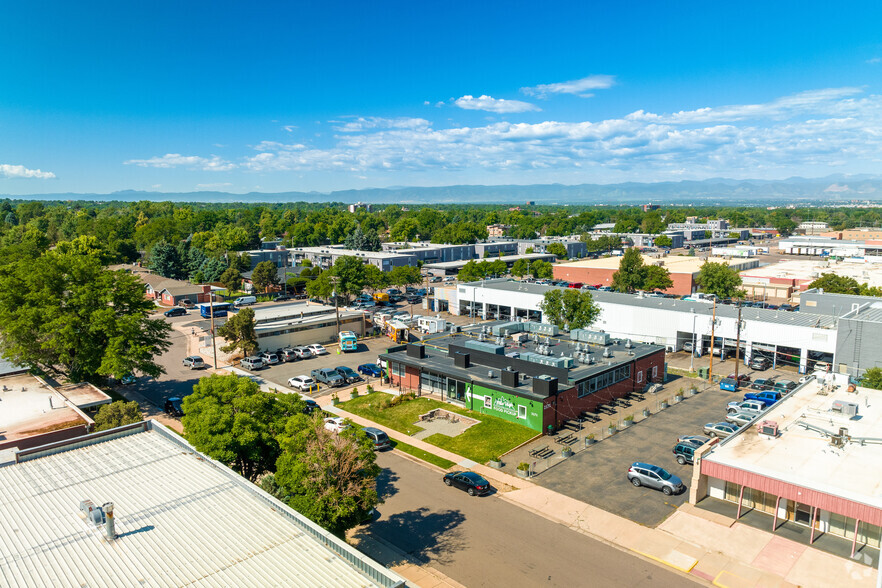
x=524, y=466
x=369, y=389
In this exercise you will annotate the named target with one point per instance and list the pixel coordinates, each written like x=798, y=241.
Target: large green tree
x=835, y=284
x=542, y=270
x=265, y=274
x=520, y=267
x=166, y=261
x=405, y=275
x=231, y=420
x=569, y=308
x=328, y=477
x=117, y=414
x=632, y=272
x=231, y=279
x=239, y=333
x=719, y=279
x=872, y=378
x=559, y=250
x=663, y=241
x=68, y=315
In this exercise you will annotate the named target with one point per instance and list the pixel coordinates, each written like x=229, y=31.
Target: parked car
x=414, y=299
x=252, y=363
x=194, y=362
x=317, y=349
x=302, y=352
x=336, y=424
x=128, y=379
x=471, y=482
x=762, y=384
x=721, y=430
x=760, y=364
x=768, y=397
x=173, y=407
x=784, y=386
x=348, y=374
x=176, y=311
x=269, y=358
x=370, y=369
x=186, y=303
x=378, y=438
x=697, y=440
x=281, y=298
x=729, y=384
x=685, y=453
x=245, y=300
x=751, y=406
x=328, y=376
x=302, y=383
x=310, y=406
x=743, y=379
x=288, y=354
x=740, y=417
x=652, y=476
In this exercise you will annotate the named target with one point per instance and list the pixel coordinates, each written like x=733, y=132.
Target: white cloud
x=491, y=104
x=290, y=128
x=579, y=87
x=19, y=172
x=214, y=186
x=811, y=129
x=375, y=122
x=170, y=160
x=874, y=60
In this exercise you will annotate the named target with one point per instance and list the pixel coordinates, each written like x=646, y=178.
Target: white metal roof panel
x=180, y=518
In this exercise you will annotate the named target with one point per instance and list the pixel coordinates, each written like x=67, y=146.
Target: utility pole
x=335, y=280
x=738, y=342
x=710, y=372
x=211, y=312
x=694, y=348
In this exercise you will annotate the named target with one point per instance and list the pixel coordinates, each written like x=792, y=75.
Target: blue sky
x=300, y=96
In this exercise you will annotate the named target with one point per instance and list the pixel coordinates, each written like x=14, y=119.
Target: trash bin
x=703, y=372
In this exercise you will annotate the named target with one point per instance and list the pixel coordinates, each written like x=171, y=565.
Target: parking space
x=598, y=475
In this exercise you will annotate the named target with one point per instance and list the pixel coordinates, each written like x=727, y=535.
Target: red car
x=577, y=285
x=743, y=379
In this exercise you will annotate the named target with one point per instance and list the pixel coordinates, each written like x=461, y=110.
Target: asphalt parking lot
x=598, y=475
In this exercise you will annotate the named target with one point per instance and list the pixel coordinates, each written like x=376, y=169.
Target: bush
x=355, y=392
x=369, y=389
x=524, y=466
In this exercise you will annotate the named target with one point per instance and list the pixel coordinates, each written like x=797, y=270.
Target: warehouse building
x=449, y=268
x=808, y=464
x=138, y=506
x=528, y=373
x=786, y=280
x=301, y=323
x=325, y=257
x=683, y=270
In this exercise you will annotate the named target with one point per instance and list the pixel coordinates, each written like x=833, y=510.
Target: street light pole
x=710, y=372
x=738, y=342
x=335, y=280
x=692, y=355
x=211, y=312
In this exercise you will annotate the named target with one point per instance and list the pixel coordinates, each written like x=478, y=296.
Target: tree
x=241, y=262
x=165, y=260
x=362, y=241
x=239, y=333
x=835, y=284
x=656, y=277
x=559, y=250
x=569, y=308
x=663, y=241
x=719, y=279
x=632, y=272
x=374, y=278
x=212, y=269
x=350, y=272
x=472, y=271
x=330, y=478
x=117, y=414
x=404, y=230
x=405, y=275
x=541, y=269
x=265, y=274
x=521, y=267
x=231, y=279
x=66, y=314
x=231, y=420
x=872, y=378
x=652, y=223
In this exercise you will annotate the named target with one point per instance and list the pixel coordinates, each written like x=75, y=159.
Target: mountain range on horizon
x=724, y=191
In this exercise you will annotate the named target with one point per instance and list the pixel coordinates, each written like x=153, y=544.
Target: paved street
x=486, y=541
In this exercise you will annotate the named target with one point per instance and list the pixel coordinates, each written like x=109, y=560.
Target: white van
x=252, y=363
x=245, y=301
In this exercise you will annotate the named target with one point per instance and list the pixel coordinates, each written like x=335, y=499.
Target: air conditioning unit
x=769, y=428
x=849, y=409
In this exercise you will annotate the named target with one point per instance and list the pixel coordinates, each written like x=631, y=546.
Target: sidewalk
x=704, y=545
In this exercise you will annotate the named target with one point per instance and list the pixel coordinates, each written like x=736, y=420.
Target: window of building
x=522, y=411
x=639, y=377
x=655, y=371
x=604, y=380
x=397, y=369
x=488, y=401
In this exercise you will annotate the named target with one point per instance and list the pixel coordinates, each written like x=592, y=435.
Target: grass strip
x=442, y=463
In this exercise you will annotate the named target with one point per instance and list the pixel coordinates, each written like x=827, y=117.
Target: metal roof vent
x=607, y=353
x=628, y=344
x=490, y=374
x=99, y=516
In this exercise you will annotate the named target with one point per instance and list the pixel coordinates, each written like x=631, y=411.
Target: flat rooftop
x=676, y=264
x=809, y=270
x=181, y=519
x=278, y=312
x=84, y=395
x=804, y=456
x=340, y=251
x=30, y=407
x=505, y=258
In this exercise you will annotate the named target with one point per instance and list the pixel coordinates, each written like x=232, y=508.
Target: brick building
x=538, y=383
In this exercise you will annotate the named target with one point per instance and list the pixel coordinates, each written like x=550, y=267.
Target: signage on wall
x=505, y=406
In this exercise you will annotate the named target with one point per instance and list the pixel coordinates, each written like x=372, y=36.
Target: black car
x=471, y=482
x=414, y=299
x=311, y=406
x=281, y=298
x=177, y=311
x=348, y=374
x=173, y=407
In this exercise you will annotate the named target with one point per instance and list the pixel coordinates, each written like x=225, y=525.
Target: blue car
x=370, y=369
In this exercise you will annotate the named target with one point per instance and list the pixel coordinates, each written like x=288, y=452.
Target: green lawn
x=489, y=438
x=442, y=463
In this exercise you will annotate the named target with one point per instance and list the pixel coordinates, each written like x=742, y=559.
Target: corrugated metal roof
x=180, y=518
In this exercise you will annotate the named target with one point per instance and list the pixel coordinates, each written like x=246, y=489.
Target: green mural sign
x=507, y=406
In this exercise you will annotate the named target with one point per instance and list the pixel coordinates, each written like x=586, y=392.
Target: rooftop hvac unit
x=607, y=353
x=849, y=409
x=628, y=344
x=490, y=374
x=769, y=428
x=837, y=441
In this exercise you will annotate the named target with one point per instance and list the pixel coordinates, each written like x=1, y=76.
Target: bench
x=541, y=452
x=566, y=439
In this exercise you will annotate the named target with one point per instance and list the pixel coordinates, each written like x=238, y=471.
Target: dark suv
x=760, y=364
x=173, y=407
x=685, y=453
